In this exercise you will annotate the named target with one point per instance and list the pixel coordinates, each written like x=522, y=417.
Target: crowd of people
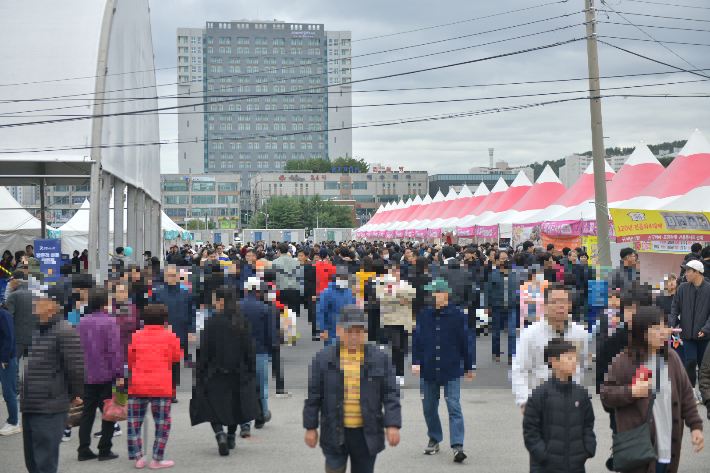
x=77, y=343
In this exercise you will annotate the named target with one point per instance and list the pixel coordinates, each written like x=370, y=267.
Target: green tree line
x=302, y=212
x=324, y=165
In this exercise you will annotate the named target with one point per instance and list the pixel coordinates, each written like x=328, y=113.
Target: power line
x=669, y=4
x=651, y=26
x=653, y=41
x=389, y=76
x=459, y=22
x=655, y=60
x=651, y=16
x=311, y=109
x=390, y=122
x=647, y=34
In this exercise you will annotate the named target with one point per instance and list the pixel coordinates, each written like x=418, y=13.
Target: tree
x=199, y=224
x=302, y=212
x=351, y=163
x=319, y=165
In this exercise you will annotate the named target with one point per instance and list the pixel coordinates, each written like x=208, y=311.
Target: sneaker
x=245, y=431
x=400, y=380
x=155, y=465
x=698, y=400
x=9, y=429
x=459, y=456
x=67, y=435
x=282, y=394
x=116, y=432
x=432, y=447
x=141, y=463
x=260, y=424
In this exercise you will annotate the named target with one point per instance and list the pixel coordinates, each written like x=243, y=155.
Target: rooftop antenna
x=490, y=156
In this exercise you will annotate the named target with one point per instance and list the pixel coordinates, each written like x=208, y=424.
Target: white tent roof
x=18, y=227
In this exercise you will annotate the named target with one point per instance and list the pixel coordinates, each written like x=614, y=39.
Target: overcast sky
x=519, y=137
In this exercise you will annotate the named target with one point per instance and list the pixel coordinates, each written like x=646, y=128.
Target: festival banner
x=657, y=225
x=409, y=233
x=527, y=231
x=560, y=241
x=563, y=227
x=488, y=232
x=465, y=241
x=49, y=253
x=589, y=228
x=420, y=233
x=171, y=235
x=389, y=234
x=434, y=233
x=667, y=246
x=466, y=231
x=399, y=233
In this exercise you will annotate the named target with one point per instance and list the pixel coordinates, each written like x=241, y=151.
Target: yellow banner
x=590, y=244
x=659, y=225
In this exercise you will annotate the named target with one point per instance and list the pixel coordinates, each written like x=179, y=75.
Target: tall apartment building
x=254, y=95
x=340, y=116
x=576, y=164
x=25, y=195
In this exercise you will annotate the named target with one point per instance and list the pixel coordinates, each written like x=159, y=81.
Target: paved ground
x=494, y=440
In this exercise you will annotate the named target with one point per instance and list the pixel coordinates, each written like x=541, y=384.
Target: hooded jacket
x=331, y=301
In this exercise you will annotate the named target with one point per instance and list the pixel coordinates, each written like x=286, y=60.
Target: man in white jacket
x=529, y=367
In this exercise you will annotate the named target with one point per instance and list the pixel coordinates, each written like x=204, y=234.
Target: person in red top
x=324, y=271
x=151, y=354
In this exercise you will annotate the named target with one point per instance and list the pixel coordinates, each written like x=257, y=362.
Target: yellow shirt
x=350, y=363
x=362, y=278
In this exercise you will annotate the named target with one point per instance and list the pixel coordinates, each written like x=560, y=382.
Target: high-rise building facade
x=254, y=95
x=340, y=116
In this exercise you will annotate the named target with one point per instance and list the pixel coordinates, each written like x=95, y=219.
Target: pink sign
x=399, y=233
x=589, y=227
x=487, y=231
x=389, y=234
x=466, y=231
x=420, y=233
x=434, y=232
x=564, y=227
x=409, y=233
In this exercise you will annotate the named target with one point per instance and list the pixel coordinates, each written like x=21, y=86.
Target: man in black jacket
x=350, y=383
x=691, y=305
x=558, y=427
x=53, y=382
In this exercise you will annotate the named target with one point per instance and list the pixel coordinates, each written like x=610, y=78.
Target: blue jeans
x=262, y=378
x=498, y=319
x=694, y=350
x=593, y=314
x=661, y=467
x=431, y=392
x=8, y=379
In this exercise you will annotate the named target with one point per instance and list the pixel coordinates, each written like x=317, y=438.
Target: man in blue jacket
x=265, y=334
x=349, y=385
x=442, y=352
x=332, y=300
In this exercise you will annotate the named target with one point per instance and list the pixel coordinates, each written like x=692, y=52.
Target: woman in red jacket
x=151, y=354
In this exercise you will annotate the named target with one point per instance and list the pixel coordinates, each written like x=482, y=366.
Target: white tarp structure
x=76, y=78
x=18, y=227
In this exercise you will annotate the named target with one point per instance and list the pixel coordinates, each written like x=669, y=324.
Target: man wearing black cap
x=362, y=378
x=147, y=255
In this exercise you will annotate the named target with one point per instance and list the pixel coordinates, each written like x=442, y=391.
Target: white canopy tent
x=18, y=227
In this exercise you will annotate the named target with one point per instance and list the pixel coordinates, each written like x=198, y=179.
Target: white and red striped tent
x=446, y=204
x=427, y=211
x=463, y=198
x=517, y=190
x=546, y=190
x=639, y=170
x=490, y=200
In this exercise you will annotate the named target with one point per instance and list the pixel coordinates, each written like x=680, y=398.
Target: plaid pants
x=161, y=415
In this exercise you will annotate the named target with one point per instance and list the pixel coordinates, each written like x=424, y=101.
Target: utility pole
x=595, y=107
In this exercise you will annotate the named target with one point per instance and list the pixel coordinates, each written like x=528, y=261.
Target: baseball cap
x=351, y=315
x=438, y=285
x=19, y=275
x=341, y=271
x=147, y=253
x=694, y=264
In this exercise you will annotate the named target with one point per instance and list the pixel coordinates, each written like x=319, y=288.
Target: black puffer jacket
x=558, y=427
x=54, y=374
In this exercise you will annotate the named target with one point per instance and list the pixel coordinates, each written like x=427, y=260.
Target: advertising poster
x=524, y=232
x=666, y=246
x=654, y=225
x=590, y=244
x=49, y=254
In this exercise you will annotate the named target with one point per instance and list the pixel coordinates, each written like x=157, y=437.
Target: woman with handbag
x=226, y=391
x=647, y=386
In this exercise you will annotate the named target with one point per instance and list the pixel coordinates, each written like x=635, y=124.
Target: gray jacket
x=704, y=380
x=288, y=273
x=692, y=307
x=19, y=304
x=54, y=374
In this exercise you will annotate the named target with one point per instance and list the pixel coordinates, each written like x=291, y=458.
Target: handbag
x=75, y=415
x=116, y=408
x=634, y=447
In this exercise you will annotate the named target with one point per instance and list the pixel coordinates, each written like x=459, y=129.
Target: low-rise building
x=365, y=190
x=443, y=182
x=211, y=197
x=503, y=167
